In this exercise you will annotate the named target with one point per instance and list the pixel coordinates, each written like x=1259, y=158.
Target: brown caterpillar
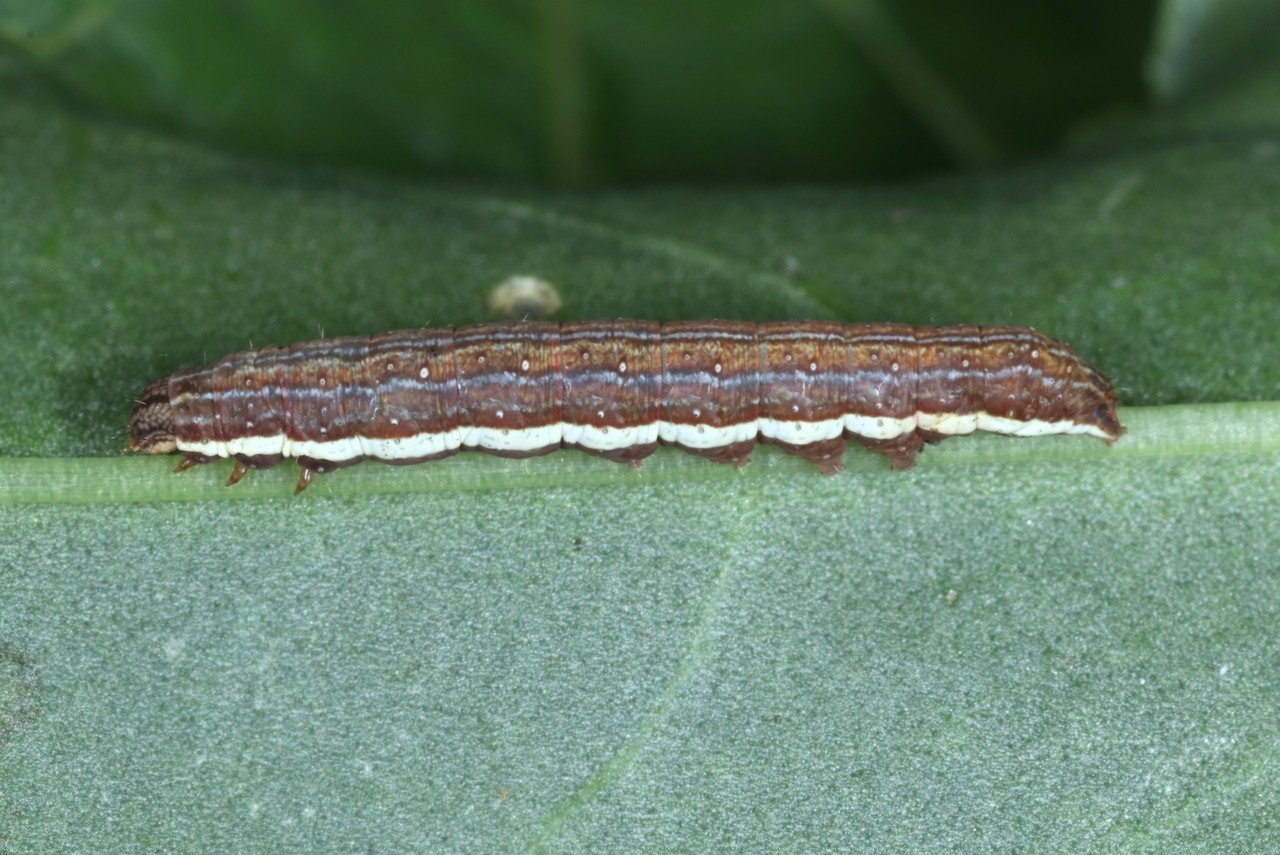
x=618, y=389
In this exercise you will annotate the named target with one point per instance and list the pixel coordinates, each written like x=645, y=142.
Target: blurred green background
x=587, y=92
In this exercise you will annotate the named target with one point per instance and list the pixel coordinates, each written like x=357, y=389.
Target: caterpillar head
x=1096, y=404
x=151, y=425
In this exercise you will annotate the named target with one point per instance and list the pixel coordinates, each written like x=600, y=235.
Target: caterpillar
x=618, y=389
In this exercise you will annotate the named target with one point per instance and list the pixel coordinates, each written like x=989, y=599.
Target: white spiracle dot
x=719, y=368
x=524, y=365
x=480, y=359
x=622, y=367
x=323, y=381
x=965, y=363
x=500, y=414
x=424, y=372
x=813, y=366
x=895, y=366
x=1034, y=354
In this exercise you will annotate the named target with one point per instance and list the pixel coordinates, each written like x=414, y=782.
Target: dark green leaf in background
x=590, y=91
x=1197, y=44
x=1040, y=645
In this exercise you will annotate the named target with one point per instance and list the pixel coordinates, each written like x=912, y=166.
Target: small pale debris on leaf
x=524, y=296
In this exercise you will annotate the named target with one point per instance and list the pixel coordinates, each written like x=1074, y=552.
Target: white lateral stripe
x=253, y=445
x=695, y=436
x=609, y=439
x=512, y=439
x=951, y=424
x=1036, y=427
x=800, y=433
x=879, y=427
x=408, y=447
x=706, y=436
x=331, y=449
x=208, y=448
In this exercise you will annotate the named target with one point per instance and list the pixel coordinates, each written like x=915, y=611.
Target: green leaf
x=1020, y=645
x=1199, y=42
x=585, y=92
